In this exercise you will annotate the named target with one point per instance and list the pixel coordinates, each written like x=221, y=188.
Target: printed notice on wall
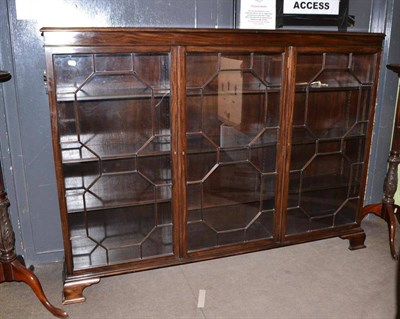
x=328, y=7
x=258, y=14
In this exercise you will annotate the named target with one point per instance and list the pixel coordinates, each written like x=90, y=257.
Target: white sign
x=329, y=7
x=258, y=14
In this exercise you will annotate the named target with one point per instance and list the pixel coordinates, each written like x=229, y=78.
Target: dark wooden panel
x=119, y=37
x=177, y=145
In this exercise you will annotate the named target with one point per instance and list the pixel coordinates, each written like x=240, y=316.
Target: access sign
x=320, y=7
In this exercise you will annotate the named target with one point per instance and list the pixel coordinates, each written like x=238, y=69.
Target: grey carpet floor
x=321, y=279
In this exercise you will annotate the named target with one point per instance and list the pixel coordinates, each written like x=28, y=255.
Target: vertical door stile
x=288, y=95
x=178, y=87
x=175, y=146
x=51, y=91
x=369, y=134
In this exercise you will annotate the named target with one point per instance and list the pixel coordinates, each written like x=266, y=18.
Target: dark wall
x=25, y=138
x=387, y=94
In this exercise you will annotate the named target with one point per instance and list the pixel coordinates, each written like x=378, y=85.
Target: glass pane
x=113, y=62
x=121, y=234
x=331, y=115
x=70, y=72
x=115, y=138
x=105, y=85
x=233, y=103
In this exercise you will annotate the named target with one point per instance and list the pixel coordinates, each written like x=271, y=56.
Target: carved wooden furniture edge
x=387, y=208
x=12, y=267
x=4, y=76
x=394, y=67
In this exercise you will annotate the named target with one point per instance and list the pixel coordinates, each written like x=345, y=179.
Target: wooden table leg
x=11, y=269
x=387, y=208
x=15, y=271
x=386, y=212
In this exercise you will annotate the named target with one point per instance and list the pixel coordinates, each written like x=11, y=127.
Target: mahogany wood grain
x=73, y=290
x=286, y=131
x=204, y=37
x=356, y=240
x=284, y=65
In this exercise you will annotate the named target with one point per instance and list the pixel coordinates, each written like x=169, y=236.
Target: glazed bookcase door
x=332, y=108
x=233, y=103
x=114, y=133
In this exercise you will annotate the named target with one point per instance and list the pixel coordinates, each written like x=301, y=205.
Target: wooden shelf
x=76, y=152
x=110, y=241
x=212, y=124
x=121, y=189
x=193, y=91
x=228, y=198
x=322, y=183
x=300, y=88
x=303, y=136
x=118, y=94
x=75, y=206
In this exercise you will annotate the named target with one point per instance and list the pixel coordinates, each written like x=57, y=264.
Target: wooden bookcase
x=180, y=145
